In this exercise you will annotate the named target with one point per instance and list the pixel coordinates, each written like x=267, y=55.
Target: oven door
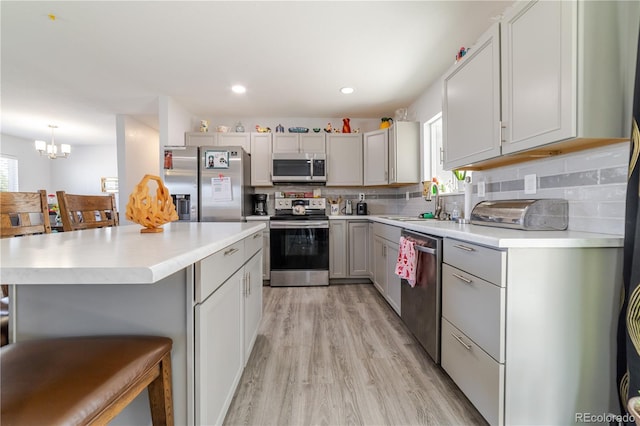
x=299, y=252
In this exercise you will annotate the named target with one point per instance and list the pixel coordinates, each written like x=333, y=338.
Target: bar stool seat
x=84, y=380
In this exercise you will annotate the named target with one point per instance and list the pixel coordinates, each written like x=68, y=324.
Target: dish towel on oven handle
x=406, y=263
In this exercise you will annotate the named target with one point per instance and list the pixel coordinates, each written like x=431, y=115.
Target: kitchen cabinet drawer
x=478, y=375
x=476, y=307
x=483, y=262
x=388, y=232
x=252, y=244
x=214, y=270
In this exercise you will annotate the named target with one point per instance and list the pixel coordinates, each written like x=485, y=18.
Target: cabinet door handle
x=256, y=236
x=465, y=248
x=461, y=278
x=441, y=156
x=249, y=283
x=230, y=251
x=393, y=173
x=503, y=126
x=459, y=339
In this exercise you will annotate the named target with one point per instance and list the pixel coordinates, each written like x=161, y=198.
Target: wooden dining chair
x=24, y=213
x=21, y=213
x=87, y=211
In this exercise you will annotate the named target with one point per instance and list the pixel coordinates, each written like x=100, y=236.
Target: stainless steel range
x=299, y=234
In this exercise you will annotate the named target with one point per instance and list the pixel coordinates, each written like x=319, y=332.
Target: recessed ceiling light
x=238, y=89
x=346, y=90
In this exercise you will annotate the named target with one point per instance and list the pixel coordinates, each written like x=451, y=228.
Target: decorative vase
x=151, y=212
x=346, y=128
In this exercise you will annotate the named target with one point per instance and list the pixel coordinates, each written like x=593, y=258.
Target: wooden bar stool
x=87, y=211
x=84, y=380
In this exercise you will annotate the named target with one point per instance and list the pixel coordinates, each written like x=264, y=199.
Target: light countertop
x=497, y=237
x=118, y=255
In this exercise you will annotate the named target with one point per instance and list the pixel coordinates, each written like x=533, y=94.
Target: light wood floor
x=339, y=355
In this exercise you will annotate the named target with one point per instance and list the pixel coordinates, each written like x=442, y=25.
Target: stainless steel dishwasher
x=421, y=304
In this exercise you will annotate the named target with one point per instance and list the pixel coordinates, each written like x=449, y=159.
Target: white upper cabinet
x=550, y=72
x=200, y=139
x=376, y=160
x=299, y=142
x=261, y=159
x=344, y=159
x=235, y=139
x=471, y=104
x=560, y=73
x=404, y=152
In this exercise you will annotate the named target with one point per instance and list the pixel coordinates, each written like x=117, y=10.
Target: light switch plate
x=361, y=196
x=407, y=195
x=530, y=184
x=481, y=189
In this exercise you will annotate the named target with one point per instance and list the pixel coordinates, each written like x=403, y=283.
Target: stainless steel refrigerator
x=209, y=183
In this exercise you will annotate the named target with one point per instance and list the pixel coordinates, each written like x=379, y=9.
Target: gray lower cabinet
x=385, y=247
x=526, y=332
x=348, y=248
x=227, y=314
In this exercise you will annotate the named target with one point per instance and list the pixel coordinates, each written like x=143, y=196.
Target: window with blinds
x=8, y=173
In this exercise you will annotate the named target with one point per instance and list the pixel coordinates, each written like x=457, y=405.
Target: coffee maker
x=260, y=204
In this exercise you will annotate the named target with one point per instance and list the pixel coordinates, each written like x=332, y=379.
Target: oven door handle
x=300, y=224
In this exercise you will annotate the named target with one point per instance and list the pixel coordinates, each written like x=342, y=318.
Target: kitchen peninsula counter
x=118, y=255
x=119, y=281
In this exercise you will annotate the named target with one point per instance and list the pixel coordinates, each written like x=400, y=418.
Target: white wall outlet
x=407, y=195
x=361, y=196
x=481, y=189
x=530, y=184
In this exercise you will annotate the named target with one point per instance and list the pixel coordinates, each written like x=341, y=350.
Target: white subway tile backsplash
x=594, y=183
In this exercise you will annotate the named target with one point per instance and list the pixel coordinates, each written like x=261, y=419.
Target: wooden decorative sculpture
x=151, y=212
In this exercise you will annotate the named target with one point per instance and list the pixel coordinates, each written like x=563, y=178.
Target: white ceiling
x=100, y=59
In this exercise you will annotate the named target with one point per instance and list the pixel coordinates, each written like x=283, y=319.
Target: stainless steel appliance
x=420, y=306
x=348, y=209
x=209, y=183
x=532, y=215
x=299, y=168
x=299, y=242
x=260, y=204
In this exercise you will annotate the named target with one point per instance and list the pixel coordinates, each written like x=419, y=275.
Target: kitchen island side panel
x=152, y=309
x=562, y=314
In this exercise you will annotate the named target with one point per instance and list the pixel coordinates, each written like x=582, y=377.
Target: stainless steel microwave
x=299, y=168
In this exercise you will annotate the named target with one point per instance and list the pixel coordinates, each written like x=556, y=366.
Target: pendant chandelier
x=51, y=149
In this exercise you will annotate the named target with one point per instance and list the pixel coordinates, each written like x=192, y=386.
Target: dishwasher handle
x=425, y=249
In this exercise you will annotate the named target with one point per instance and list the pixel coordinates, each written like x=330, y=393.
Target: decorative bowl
x=298, y=130
x=316, y=129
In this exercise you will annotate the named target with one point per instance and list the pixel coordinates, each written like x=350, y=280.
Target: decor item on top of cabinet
x=328, y=128
x=385, y=122
x=239, y=127
x=298, y=130
x=204, y=126
x=346, y=128
x=263, y=129
x=222, y=129
x=151, y=212
x=461, y=53
x=316, y=129
x=279, y=128
x=401, y=114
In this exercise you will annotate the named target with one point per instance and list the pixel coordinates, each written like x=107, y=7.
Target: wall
x=34, y=170
x=78, y=174
x=138, y=154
